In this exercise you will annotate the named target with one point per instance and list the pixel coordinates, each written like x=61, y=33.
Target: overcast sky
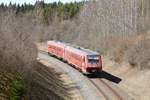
x=33, y=1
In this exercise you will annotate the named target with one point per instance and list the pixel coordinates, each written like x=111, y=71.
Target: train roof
x=87, y=51
x=58, y=43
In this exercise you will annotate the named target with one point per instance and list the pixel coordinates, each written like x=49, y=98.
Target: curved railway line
x=106, y=94
x=103, y=87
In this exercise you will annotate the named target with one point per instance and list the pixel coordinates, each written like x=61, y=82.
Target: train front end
x=94, y=64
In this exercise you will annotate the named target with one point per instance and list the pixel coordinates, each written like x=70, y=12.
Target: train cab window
x=93, y=59
x=49, y=46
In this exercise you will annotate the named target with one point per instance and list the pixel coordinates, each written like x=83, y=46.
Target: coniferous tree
x=10, y=5
x=2, y=5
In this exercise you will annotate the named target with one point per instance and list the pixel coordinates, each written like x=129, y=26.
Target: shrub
x=17, y=90
x=139, y=55
x=118, y=54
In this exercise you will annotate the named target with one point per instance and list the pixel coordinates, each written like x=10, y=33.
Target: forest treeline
x=49, y=10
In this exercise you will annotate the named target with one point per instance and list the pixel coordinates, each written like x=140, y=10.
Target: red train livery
x=86, y=60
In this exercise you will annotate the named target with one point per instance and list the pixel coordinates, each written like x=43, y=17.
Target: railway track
x=103, y=87
x=44, y=52
x=99, y=89
x=107, y=91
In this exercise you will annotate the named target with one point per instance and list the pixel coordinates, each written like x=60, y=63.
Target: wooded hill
x=64, y=11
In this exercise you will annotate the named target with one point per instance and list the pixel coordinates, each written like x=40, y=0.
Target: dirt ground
x=41, y=46
x=134, y=82
x=74, y=92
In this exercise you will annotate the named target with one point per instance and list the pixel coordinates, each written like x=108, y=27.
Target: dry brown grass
x=45, y=84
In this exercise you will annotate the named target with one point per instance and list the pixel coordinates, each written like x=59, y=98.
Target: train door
x=83, y=65
x=64, y=54
x=83, y=61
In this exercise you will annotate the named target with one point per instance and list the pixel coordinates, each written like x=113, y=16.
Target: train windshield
x=93, y=59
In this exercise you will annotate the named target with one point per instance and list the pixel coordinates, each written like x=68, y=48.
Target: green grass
x=17, y=89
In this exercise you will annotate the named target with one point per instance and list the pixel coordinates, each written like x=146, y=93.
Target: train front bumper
x=94, y=70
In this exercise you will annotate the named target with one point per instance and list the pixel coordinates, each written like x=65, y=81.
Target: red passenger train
x=86, y=60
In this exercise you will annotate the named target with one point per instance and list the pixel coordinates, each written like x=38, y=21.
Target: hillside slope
x=135, y=82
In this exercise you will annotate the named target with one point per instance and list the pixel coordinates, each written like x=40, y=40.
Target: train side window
x=59, y=49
